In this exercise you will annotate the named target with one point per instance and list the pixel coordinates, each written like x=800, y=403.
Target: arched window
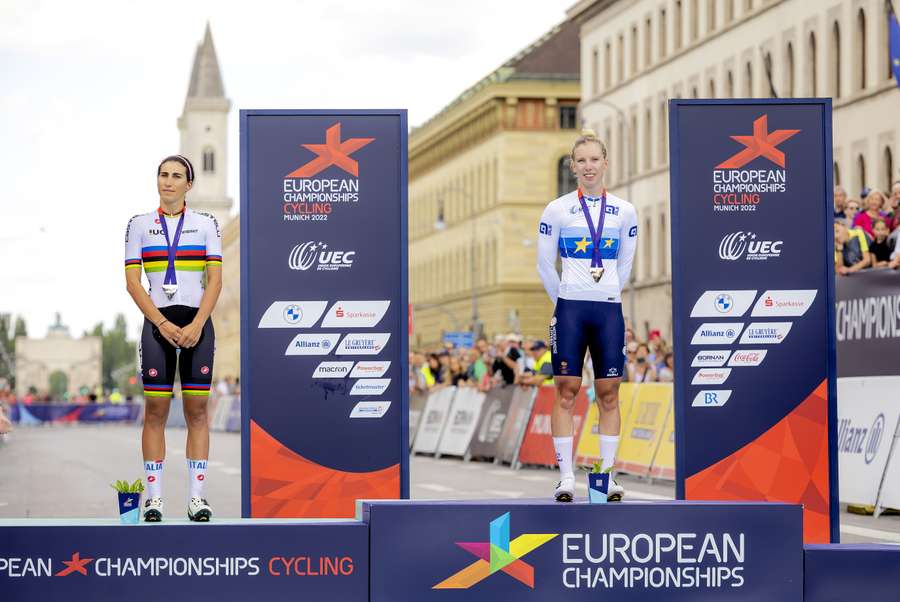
x=648, y=42
x=811, y=83
x=711, y=15
x=789, y=70
x=209, y=160
x=888, y=168
x=678, y=24
x=634, y=50
x=565, y=179
x=663, y=130
x=861, y=172
x=632, y=147
x=663, y=42
x=729, y=85
x=607, y=66
x=620, y=59
x=861, y=50
x=647, y=263
x=662, y=247
x=836, y=60
x=711, y=89
x=648, y=140
x=748, y=80
x=595, y=72
x=695, y=20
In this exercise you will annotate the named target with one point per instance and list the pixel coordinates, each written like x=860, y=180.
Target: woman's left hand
x=190, y=334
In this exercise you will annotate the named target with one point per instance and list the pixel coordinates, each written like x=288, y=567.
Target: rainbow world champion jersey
x=564, y=231
x=200, y=245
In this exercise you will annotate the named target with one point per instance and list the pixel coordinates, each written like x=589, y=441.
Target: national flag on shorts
x=894, y=35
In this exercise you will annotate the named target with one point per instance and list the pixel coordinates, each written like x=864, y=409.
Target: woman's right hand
x=170, y=332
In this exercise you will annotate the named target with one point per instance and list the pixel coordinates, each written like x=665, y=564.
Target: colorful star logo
x=760, y=144
x=333, y=152
x=582, y=245
x=76, y=565
x=500, y=554
x=608, y=243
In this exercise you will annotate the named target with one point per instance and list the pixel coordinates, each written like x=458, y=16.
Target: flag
x=894, y=28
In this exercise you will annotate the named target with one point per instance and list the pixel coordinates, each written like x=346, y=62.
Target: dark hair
x=644, y=345
x=184, y=161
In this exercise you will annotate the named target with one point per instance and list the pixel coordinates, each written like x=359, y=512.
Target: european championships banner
x=323, y=311
x=753, y=304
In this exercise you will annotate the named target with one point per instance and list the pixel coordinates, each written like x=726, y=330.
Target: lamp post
x=630, y=176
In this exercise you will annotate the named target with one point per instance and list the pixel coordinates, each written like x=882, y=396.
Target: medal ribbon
x=596, y=235
x=171, y=247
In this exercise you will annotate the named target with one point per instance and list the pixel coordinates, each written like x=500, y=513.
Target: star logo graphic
x=500, y=554
x=608, y=243
x=76, y=565
x=760, y=144
x=582, y=245
x=333, y=152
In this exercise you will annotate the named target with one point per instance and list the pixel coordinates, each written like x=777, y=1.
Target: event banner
x=868, y=323
x=526, y=550
x=323, y=310
x=753, y=304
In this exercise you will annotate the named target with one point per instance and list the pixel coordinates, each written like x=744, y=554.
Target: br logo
x=333, y=152
x=498, y=554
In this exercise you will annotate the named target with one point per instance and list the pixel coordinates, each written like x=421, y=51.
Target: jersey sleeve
x=213, y=242
x=627, y=247
x=133, y=245
x=547, y=249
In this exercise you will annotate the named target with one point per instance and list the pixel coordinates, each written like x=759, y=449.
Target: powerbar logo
x=654, y=560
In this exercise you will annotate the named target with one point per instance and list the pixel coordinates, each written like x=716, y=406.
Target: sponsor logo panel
x=312, y=344
x=747, y=357
x=711, y=376
x=766, y=333
x=333, y=369
x=370, y=386
x=713, y=304
x=784, y=303
x=361, y=343
x=711, y=358
x=292, y=314
x=370, y=409
x=717, y=333
x=355, y=314
x=715, y=398
x=859, y=440
x=370, y=369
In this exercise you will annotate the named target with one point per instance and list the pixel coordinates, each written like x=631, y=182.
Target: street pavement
x=64, y=471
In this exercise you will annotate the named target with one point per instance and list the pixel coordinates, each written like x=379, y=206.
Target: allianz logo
x=729, y=332
x=859, y=440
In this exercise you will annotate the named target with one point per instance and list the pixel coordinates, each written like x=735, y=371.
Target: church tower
x=204, y=133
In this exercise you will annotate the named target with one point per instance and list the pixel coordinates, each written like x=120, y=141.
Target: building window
x=620, y=172
x=711, y=15
x=209, y=160
x=662, y=33
x=770, y=78
x=748, y=80
x=634, y=50
x=595, y=72
x=861, y=50
x=887, y=39
x=662, y=247
x=565, y=179
x=711, y=90
x=836, y=60
x=678, y=25
x=648, y=42
x=748, y=6
x=861, y=172
x=568, y=117
x=647, y=262
x=694, y=92
x=663, y=131
x=607, y=66
x=888, y=168
x=648, y=140
x=837, y=174
x=695, y=20
x=729, y=11
x=632, y=147
x=812, y=83
x=620, y=59
x=729, y=85
x=789, y=69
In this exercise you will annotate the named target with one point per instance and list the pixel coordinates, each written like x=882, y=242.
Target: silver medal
x=597, y=273
x=170, y=290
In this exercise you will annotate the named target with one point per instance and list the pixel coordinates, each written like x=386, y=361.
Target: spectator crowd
x=516, y=360
x=866, y=231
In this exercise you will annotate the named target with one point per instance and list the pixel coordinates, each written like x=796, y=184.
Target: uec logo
x=303, y=256
x=734, y=245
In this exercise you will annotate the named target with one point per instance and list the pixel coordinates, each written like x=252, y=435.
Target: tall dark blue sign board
x=323, y=310
x=753, y=304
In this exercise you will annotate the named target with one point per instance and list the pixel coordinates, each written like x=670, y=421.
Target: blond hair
x=588, y=135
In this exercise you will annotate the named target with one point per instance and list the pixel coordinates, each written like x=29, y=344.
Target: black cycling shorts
x=159, y=358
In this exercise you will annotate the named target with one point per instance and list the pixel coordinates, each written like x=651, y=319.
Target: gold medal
x=597, y=273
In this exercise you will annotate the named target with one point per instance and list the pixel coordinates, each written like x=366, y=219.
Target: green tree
x=59, y=384
x=21, y=331
x=118, y=362
x=6, y=349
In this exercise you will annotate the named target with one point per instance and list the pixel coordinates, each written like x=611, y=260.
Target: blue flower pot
x=598, y=487
x=129, y=508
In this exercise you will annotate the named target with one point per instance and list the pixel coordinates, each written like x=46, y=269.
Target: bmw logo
x=724, y=303
x=293, y=314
